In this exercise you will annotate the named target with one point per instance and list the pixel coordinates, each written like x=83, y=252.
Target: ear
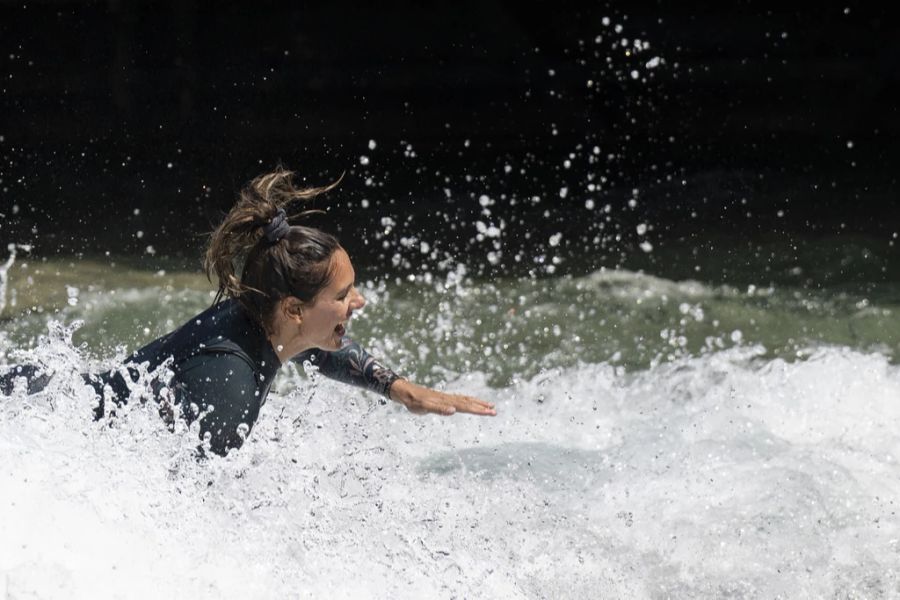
x=292, y=309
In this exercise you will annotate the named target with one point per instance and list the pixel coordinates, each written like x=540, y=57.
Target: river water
x=683, y=430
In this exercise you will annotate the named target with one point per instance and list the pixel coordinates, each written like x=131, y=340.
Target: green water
x=689, y=420
x=683, y=299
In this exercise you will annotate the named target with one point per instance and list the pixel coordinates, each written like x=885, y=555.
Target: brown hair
x=258, y=272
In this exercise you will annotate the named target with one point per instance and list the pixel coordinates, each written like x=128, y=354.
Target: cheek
x=319, y=320
x=335, y=314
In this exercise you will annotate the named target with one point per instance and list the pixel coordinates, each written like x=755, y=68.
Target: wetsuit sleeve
x=352, y=365
x=221, y=389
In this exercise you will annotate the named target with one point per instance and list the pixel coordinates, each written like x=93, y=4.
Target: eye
x=345, y=294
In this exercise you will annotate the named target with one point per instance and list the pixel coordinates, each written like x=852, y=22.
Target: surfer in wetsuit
x=285, y=293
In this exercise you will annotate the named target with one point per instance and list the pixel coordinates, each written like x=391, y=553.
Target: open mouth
x=339, y=330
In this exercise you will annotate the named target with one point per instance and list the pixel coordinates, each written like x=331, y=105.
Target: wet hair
x=259, y=272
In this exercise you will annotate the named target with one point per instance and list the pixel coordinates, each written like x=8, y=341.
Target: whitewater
x=655, y=438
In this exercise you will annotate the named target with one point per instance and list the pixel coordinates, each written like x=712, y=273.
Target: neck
x=286, y=345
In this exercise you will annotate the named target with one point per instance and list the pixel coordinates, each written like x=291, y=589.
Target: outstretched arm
x=353, y=365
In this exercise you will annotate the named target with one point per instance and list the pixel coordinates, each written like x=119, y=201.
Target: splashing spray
x=4, y=270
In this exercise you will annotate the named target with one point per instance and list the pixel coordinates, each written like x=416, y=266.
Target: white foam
x=709, y=476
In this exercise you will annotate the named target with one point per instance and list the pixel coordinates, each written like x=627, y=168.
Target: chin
x=335, y=343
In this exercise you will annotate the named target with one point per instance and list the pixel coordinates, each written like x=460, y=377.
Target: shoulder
x=202, y=329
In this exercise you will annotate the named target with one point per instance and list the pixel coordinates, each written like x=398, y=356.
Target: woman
x=285, y=293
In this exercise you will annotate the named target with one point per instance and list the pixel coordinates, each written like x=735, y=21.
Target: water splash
x=723, y=474
x=723, y=469
x=4, y=271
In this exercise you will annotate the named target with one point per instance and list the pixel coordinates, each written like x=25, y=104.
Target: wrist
x=400, y=390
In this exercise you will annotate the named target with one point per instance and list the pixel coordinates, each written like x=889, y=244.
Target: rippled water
x=657, y=437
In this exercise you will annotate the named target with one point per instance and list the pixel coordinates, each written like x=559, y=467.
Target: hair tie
x=277, y=228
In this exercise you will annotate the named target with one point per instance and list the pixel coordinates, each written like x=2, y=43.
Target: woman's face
x=325, y=319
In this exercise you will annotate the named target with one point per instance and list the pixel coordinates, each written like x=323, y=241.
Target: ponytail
x=258, y=270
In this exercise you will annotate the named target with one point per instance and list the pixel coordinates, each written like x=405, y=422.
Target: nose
x=358, y=300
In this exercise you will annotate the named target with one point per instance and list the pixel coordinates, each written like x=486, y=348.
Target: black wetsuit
x=219, y=367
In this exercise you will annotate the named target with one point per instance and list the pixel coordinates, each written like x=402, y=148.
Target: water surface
x=663, y=431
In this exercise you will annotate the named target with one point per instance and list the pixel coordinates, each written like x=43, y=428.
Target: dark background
x=127, y=127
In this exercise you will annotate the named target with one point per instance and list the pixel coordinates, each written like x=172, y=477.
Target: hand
x=421, y=400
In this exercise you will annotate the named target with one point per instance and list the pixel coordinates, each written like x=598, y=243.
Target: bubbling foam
x=724, y=474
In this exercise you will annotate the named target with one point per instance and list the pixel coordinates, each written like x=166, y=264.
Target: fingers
x=449, y=404
x=474, y=406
